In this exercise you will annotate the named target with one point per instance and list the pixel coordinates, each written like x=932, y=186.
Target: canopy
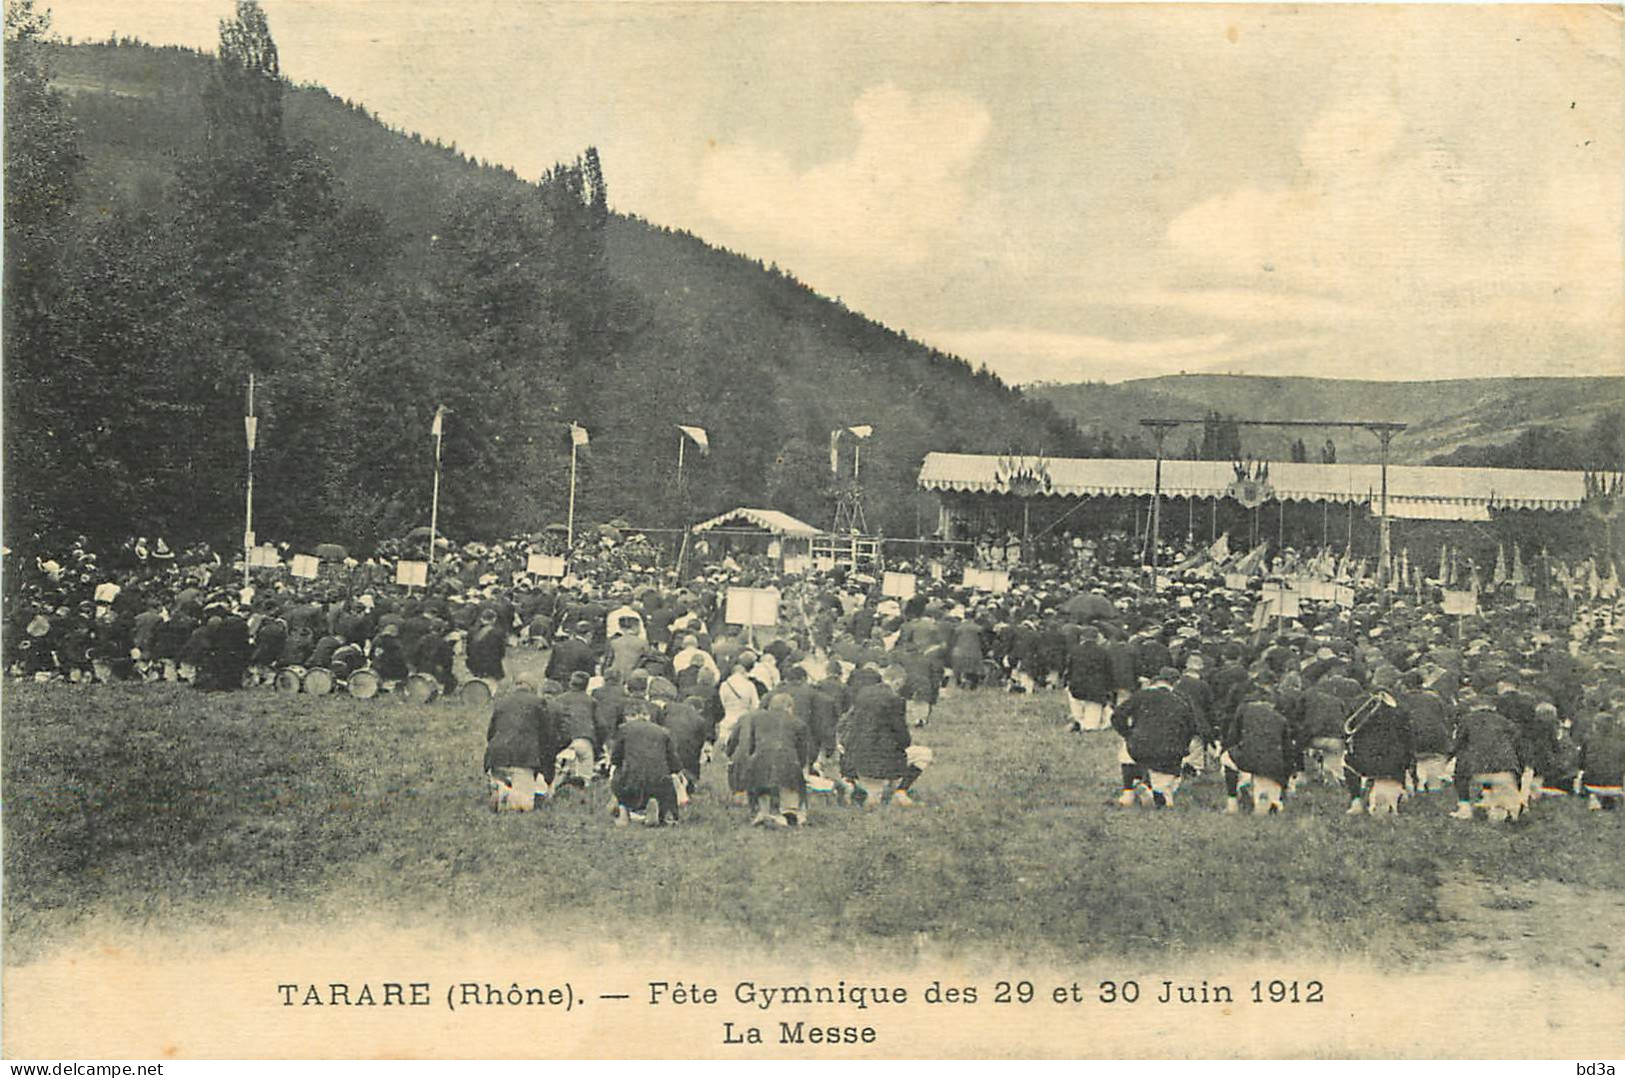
x=1413, y=485
x=771, y=520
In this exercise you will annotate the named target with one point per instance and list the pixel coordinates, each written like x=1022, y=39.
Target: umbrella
x=559, y=528
x=330, y=552
x=419, y=533
x=609, y=531
x=1089, y=606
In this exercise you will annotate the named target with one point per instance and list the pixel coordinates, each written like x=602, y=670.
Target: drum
x=476, y=692
x=363, y=684
x=420, y=688
x=318, y=681
x=290, y=679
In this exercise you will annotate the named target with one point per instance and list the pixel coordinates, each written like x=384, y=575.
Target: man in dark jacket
x=1261, y=744
x=690, y=730
x=773, y=750
x=1487, y=761
x=573, y=653
x=643, y=761
x=518, y=748
x=876, y=746
x=1156, y=725
x=1089, y=683
x=488, y=648
x=1381, y=752
x=573, y=711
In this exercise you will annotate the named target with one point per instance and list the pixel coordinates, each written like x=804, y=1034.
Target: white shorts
x=514, y=789
x=1088, y=714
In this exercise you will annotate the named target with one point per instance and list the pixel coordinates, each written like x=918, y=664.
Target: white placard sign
x=997, y=581
x=545, y=565
x=1461, y=602
x=1343, y=595
x=1236, y=581
x=264, y=557
x=412, y=573
x=1524, y=593
x=752, y=606
x=306, y=566
x=796, y=564
x=898, y=585
x=936, y=571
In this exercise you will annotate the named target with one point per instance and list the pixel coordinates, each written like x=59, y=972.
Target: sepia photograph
x=812, y=531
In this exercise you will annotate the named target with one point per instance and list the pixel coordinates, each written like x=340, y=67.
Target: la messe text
x=842, y=1008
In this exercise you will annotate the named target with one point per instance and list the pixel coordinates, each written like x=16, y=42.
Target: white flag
x=578, y=434
x=861, y=432
x=251, y=426
x=699, y=436
x=834, y=452
x=438, y=427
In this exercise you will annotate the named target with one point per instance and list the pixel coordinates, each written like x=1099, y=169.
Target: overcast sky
x=1061, y=192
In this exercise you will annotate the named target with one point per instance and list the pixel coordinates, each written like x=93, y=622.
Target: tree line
x=366, y=278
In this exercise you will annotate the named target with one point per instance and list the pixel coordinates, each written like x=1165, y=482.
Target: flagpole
x=570, y=523
x=248, y=524
x=434, y=504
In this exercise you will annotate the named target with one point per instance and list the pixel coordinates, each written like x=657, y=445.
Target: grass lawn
x=160, y=805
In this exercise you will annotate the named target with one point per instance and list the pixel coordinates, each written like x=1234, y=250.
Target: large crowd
x=640, y=682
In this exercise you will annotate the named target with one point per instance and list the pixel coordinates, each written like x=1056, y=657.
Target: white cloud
x=900, y=188
x=1387, y=218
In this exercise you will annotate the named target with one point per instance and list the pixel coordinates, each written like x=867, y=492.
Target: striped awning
x=1487, y=488
x=767, y=519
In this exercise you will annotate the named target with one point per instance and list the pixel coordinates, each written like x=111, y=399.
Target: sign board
x=545, y=565
x=1281, y=600
x=1321, y=591
x=898, y=585
x=753, y=606
x=412, y=573
x=797, y=564
x=994, y=580
x=936, y=571
x=264, y=557
x=1524, y=593
x=1343, y=595
x=1461, y=602
x=305, y=566
x=1236, y=581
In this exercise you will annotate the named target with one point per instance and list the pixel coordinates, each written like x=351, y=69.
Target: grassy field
x=162, y=805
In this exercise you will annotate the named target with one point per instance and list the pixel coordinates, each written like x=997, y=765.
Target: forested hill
x=175, y=221
x=1499, y=422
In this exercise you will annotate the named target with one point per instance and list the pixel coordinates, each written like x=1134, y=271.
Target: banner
x=578, y=435
x=797, y=564
x=752, y=606
x=306, y=566
x=412, y=574
x=551, y=565
x=898, y=585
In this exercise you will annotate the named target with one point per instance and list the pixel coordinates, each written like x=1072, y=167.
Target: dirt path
x=1540, y=924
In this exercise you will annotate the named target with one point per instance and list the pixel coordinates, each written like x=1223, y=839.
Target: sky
x=1062, y=192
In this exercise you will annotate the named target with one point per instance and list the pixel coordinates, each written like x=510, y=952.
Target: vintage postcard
x=813, y=531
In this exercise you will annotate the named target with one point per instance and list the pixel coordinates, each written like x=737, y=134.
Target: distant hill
x=1444, y=416
x=423, y=278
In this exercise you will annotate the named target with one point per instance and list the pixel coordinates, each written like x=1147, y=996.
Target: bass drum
x=476, y=692
x=290, y=679
x=318, y=681
x=420, y=688
x=364, y=684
